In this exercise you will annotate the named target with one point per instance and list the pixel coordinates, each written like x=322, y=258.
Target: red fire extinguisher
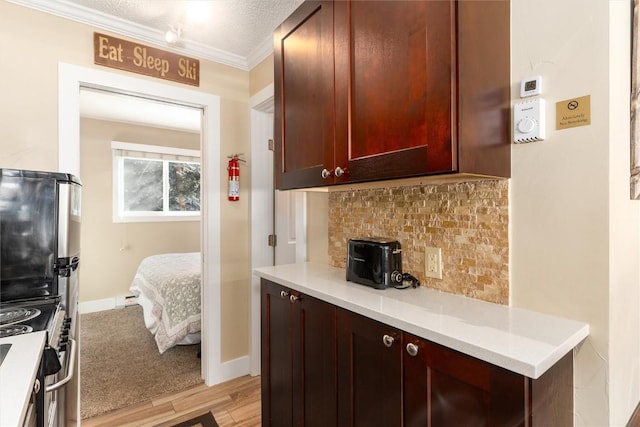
x=234, y=177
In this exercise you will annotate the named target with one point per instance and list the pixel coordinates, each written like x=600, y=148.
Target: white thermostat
x=531, y=86
x=528, y=121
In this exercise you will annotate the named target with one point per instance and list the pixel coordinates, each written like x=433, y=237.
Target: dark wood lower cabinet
x=299, y=384
x=369, y=372
x=388, y=378
x=443, y=387
x=326, y=366
x=277, y=354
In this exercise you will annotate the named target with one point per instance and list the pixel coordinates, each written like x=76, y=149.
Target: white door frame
x=262, y=210
x=70, y=79
x=260, y=105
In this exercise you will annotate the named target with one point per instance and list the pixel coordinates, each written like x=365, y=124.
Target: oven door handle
x=70, y=365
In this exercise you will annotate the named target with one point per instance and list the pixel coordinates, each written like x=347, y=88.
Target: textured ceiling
x=227, y=31
x=236, y=26
x=231, y=28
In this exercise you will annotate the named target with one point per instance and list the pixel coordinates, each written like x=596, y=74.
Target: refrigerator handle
x=65, y=267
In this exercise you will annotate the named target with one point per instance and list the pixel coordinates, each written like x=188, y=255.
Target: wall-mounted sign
x=574, y=112
x=137, y=58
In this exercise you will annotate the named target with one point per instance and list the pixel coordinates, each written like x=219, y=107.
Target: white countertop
x=17, y=375
x=522, y=341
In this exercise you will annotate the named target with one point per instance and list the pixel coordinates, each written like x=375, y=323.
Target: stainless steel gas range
x=40, y=217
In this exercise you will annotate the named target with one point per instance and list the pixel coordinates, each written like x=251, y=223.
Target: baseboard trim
x=96, y=305
x=120, y=301
x=232, y=369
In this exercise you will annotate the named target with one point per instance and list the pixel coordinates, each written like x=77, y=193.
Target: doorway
x=115, y=126
x=272, y=212
x=71, y=79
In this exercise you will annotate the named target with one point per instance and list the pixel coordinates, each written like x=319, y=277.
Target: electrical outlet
x=433, y=262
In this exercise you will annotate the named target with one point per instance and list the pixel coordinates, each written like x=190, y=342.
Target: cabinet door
x=369, y=372
x=484, y=87
x=446, y=388
x=304, y=96
x=276, y=370
x=395, y=68
x=314, y=363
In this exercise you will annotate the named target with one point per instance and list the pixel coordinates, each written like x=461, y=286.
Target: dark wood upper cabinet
x=395, y=74
x=304, y=95
x=390, y=89
x=483, y=92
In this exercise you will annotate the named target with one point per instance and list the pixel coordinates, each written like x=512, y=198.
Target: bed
x=167, y=287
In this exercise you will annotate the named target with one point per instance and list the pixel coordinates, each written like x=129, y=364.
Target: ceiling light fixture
x=172, y=36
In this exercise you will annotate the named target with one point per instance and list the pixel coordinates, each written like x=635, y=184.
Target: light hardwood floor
x=234, y=403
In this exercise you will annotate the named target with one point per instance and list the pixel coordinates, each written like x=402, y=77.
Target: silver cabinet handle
x=387, y=340
x=71, y=362
x=339, y=171
x=325, y=173
x=293, y=298
x=36, y=386
x=284, y=294
x=412, y=349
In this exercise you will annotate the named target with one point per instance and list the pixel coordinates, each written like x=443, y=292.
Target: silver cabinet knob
x=412, y=349
x=284, y=294
x=294, y=298
x=387, y=340
x=339, y=171
x=326, y=173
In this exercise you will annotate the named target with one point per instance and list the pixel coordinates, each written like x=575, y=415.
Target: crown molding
x=130, y=29
x=260, y=52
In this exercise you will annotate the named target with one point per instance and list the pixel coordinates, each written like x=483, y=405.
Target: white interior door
x=262, y=205
x=271, y=211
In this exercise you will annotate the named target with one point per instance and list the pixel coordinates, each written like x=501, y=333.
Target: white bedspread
x=170, y=284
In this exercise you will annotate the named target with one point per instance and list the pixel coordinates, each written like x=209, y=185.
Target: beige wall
x=575, y=234
x=317, y=226
x=624, y=225
x=261, y=75
x=112, y=251
x=32, y=44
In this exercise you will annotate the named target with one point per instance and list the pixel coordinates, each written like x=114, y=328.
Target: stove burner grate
x=9, y=316
x=12, y=330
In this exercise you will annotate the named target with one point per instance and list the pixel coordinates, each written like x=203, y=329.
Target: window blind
x=155, y=152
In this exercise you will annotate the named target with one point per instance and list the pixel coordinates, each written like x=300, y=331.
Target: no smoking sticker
x=574, y=112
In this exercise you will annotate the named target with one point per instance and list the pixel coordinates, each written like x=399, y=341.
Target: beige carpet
x=120, y=364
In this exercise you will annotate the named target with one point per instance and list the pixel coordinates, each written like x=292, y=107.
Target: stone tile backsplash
x=469, y=221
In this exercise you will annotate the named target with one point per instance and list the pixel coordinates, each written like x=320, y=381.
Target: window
x=153, y=183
